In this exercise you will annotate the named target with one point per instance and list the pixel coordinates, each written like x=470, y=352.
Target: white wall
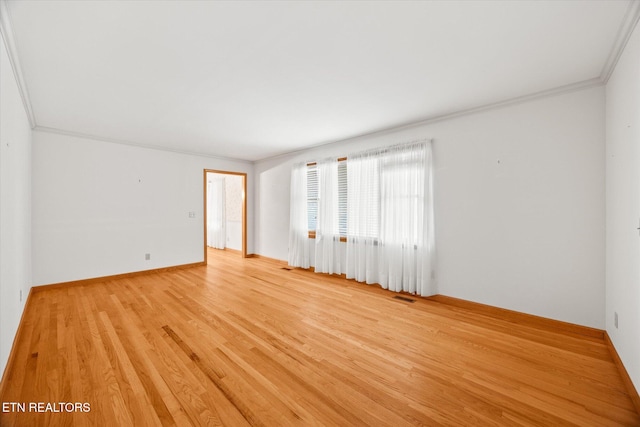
x=233, y=194
x=15, y=206
x=623, y=207
x=234, y=235
x=99, y=207
x=519, y=194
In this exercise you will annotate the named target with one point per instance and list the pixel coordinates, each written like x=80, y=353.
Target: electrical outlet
x=147, y=257
x=192, y=214
x=615, y=319
x=20, y=295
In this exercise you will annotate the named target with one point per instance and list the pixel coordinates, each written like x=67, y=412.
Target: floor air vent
x=405, y=299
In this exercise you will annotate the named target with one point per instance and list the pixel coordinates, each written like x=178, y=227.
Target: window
x=364, y=196
x=342, y=197
x=401, y=187
x=369, y=185
x=313, y=197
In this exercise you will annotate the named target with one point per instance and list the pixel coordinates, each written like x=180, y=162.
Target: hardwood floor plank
x=102, y=371
x=246, y=342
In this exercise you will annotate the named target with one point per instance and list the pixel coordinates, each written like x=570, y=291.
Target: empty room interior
x=377, y=213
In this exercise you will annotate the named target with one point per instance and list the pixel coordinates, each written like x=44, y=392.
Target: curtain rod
x=382, y=149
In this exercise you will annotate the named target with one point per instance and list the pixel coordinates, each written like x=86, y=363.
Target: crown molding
x=627, y=26
x=7, y=36
x=573, y=87
x=135, y=144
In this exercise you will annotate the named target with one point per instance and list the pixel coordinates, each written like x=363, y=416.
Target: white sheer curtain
x=327, y=257
x=363, y=216
x=390, y=233
x=216, y=209
x=298, y=221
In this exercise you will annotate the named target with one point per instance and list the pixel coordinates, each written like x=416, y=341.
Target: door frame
x=244, y=207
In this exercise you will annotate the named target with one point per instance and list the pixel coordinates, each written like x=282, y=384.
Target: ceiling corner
x=627, y=26
x=7, y=36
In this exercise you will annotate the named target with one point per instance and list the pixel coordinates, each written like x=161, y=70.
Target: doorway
x=230, y=220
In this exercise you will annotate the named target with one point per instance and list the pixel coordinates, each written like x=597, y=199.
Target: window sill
x=312, y=235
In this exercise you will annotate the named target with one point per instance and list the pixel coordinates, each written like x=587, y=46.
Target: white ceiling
x=250, y=80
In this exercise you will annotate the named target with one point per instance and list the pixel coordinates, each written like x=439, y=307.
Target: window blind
x=312, y=197
x=342, y=197
x=370, y=186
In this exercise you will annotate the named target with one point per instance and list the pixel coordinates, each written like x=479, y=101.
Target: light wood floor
x=246, y=342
